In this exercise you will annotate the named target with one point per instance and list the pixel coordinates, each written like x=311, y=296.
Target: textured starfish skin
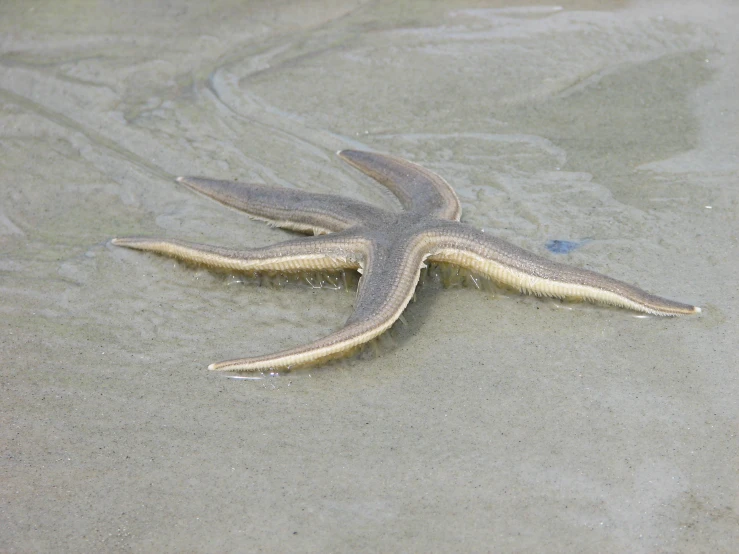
x=388, y=249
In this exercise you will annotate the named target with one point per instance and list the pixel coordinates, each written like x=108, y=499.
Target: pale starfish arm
x=323, y=253
x=514, y=267
x=418, y=189
x=292, y=209
x=387, y=285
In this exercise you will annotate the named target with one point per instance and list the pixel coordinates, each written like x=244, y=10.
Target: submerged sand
x=490, y=421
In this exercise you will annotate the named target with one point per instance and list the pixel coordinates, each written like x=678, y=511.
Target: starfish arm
x=386, y=287
x=292, y=209
x=514, y=267
x=418, y=189
x=322, y=253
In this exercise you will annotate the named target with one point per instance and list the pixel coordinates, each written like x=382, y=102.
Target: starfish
x=388, y=249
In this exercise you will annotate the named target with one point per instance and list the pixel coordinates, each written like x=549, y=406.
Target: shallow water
x=489, y=421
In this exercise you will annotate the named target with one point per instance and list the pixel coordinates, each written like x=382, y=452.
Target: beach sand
x=489, y=421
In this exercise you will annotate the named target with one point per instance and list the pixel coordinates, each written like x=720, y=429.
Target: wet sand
x=489, y=421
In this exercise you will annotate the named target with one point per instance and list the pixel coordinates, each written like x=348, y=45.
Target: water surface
x=489, y=421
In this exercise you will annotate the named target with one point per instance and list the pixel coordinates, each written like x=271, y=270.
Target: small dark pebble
x=564, y=246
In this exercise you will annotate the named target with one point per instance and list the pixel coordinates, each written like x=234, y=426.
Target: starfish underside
x=388, y=249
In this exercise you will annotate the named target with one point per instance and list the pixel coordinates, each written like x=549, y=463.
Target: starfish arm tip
x=232, y=365
x=180, y=179
x=127, y=242
x=697, y=309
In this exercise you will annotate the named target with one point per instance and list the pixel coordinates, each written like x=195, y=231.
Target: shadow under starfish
x=388, y=249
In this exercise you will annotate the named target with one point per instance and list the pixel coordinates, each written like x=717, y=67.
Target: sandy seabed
x=489, y=422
